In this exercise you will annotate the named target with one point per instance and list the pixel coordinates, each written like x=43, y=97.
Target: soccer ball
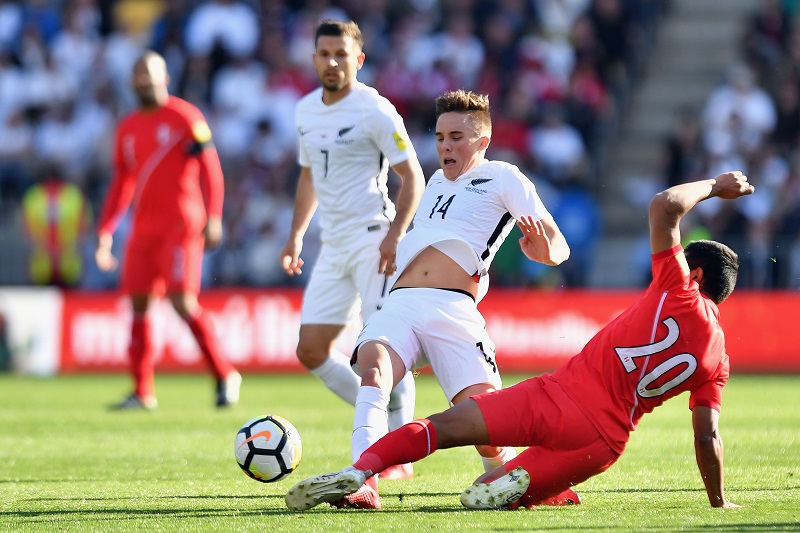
x=268, y=448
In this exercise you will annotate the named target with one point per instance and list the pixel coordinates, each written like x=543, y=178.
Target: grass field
x=67, y=464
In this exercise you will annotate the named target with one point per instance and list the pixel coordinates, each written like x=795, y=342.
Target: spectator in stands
x=767, y=36
x=787, y=120
x=10, y=23
x=16, y=147
x=557, y=147
x=227, y=27
x=738, y=114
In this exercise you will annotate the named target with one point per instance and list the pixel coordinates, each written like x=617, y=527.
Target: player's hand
x=213, y=233
x=730, y=185
x=388, y=250
x=105, y=260
x=535, y=243
x=290, y=258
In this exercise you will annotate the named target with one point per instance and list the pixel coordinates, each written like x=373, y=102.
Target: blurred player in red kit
x=167, y=168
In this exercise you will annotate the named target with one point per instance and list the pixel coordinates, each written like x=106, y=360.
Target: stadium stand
x=570, y=82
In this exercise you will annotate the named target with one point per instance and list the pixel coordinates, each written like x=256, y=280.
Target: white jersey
x=349, y=147
x=469, y=218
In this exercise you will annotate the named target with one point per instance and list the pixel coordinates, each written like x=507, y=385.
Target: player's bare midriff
x=433, y=269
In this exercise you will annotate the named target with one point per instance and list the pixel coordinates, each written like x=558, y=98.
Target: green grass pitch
x=67, y=464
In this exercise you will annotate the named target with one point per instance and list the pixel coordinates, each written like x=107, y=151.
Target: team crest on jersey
x=477, y=181
x=342, y=132
x=163, y=133
x=399, y=141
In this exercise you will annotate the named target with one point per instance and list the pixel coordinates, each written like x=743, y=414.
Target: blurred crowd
x=750, y=121
x=557, y=72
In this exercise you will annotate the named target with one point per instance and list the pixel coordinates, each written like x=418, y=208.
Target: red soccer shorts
x=564, y=448
x=163, y=263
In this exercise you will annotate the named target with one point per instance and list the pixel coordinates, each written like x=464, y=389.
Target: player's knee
x=311, y=354
x=185, y=305
x=375, y=367
x=377, y=376
x=488, y=451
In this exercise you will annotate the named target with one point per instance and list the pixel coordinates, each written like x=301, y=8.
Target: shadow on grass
x=728, y=488
x=273, y=506
x=398, y=495
x=273, y=501
x=108, y=515
x=744, y=527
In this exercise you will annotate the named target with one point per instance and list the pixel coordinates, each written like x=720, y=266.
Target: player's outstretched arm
x=305, y=203
x=542, y=241
x=708, y=451
x=668, y=207
x=411, y=188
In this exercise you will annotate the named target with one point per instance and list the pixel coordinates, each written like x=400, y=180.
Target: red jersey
x=166, y=166
x=668, y=342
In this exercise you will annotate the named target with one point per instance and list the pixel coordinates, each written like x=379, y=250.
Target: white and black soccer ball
x=268, y=448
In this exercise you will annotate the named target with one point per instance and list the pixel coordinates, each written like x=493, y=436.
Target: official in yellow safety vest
x=57, y=216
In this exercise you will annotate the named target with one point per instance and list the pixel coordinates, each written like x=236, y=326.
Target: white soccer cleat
x=324, y=488
x=500, y=493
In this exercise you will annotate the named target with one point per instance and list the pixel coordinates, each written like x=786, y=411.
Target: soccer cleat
x=134, y=401
x=404, y=471
x=228, y=389
x=324, y=488
x=366, y=497
x=568, y=497
x=502, y=492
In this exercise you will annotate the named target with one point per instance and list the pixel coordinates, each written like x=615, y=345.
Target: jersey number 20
x=627, y=356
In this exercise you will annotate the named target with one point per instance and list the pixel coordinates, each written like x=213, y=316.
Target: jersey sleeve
x=669, y=270
x=709, y=394
x=520, y=196
x=120, y=192
x=302, y=155
x=212, y=181
x=201, y=145
x=389, y=133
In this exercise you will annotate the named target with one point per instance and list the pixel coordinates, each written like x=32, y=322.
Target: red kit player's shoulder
x=191, y=117
x=185, y=109
x=129, y=121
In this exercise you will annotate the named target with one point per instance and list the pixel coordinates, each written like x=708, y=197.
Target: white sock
x=505, y=455
x=401, y=402
x=369, y=421
x=339, y=377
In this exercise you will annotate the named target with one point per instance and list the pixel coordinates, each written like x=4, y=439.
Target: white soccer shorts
x=344, y=277
x=440, y=328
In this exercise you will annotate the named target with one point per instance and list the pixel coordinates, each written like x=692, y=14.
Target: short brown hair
x=339, y=28
x=461, y=101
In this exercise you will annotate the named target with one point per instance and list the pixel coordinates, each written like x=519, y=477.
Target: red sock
x=141, y=356
x=203, y=331
x=407, y=444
